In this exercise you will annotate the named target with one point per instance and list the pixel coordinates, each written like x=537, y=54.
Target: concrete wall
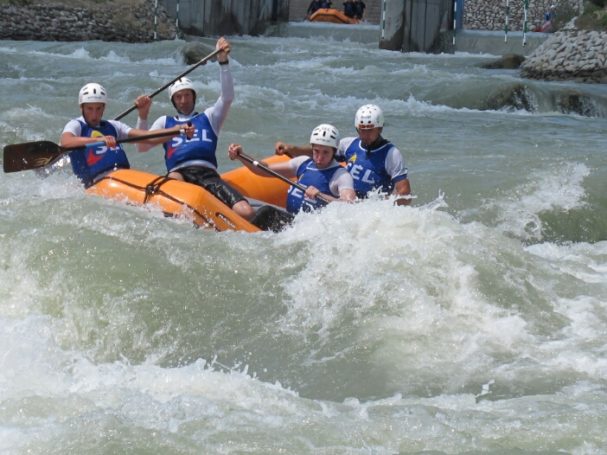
x=491, y=14
x=215, y=17
x=493, y=42
x=427, y=25
x=418, y=26
x=229, y=17
x=477, y=14
x=111, y=21
x=393, y=28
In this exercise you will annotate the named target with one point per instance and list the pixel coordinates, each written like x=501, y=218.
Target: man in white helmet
x=195, y=160
x=321, y=174
x=374, y=162
x=92, y=163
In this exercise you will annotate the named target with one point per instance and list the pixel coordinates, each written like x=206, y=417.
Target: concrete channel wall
x=408, y=25
x=226, y=17
x=418, y=26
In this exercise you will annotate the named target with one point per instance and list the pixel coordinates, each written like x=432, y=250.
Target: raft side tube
x=173, y=197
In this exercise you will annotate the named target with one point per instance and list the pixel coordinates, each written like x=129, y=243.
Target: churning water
x=473, y=321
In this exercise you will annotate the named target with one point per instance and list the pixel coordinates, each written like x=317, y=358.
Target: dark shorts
x=211, y=181
x=270, y=218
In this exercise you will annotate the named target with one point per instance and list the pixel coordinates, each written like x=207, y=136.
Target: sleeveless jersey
x=89, y=162
x=368, y=169
x=308, y=174
x=201, y=146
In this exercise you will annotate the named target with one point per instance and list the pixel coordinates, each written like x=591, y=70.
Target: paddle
x=32, y=155
x=188, y=71
x=265, y=168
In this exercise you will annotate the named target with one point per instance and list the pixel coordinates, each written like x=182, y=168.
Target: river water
x=473, y=321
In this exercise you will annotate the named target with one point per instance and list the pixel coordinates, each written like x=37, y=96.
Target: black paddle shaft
x=32, y=155
x=186, y=72
x=297, y=185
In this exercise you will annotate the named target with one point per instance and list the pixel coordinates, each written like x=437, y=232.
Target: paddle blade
x=30, y=155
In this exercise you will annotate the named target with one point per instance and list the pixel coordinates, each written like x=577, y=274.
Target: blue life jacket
x=368, y=169
x=89, y=162
x=201, y=146
x=308, y=174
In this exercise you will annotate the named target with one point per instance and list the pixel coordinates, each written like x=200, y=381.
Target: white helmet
x=92, y=93
x=179, y=85
x=369, y=116
x=325, y=134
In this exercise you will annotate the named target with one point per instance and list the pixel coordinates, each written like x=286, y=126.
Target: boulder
x=507, y=61
x=515, y=96
x=579, y=55
x=574, y=102
x=195, y=51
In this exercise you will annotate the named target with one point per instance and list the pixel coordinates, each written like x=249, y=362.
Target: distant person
x=325, y=4
x=321, y=174
x=313, y=7
x=549, y=17
x=91, y=164
x=374, y=162
x=359, y=9
x=349, y=8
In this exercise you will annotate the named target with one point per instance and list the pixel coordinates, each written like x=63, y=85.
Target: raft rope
x=153, y=188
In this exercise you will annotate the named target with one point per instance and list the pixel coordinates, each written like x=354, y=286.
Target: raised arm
x=143, y=103
x=219, y=111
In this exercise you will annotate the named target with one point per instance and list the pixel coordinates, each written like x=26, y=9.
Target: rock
x=508, y=61
x=572, y=101
x=571, y=55
x=514, y=96
x=193, y=52
x=115, y=20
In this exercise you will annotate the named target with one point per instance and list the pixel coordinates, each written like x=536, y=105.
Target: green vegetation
x=594, y=17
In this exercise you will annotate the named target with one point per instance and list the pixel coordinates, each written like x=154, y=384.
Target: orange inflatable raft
x=177, y=198
x=332, y=15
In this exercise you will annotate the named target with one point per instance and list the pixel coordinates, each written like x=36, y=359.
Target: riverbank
x=569, y=54
x=130, y=21
x=579, y=55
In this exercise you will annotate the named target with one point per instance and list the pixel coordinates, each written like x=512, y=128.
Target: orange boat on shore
x=177, y=198
x=332, y=15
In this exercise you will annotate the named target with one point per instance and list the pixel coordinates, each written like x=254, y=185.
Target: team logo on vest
x=178, y=140
x=174, y=143
x=95, y=154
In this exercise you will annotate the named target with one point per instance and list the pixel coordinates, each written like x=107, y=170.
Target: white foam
x=555, y=188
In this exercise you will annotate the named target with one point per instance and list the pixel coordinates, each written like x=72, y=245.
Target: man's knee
x=244, y=209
